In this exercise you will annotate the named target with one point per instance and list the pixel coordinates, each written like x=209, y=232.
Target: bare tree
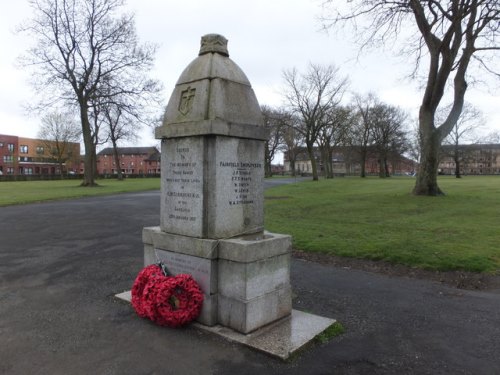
x=361, y=135
x=85, y=49
x=312, y=96
x=470, y=120
x=275, y=120
x=451, y=35
x=292, y=140
x=389, y=136
x=492, y=137
x=333, y=134
x=57, y=132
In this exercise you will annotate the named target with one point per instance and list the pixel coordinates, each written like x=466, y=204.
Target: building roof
x=129, y=151
x=474, y=146
x=155, y=156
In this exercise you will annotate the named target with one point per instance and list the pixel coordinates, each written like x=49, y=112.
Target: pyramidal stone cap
x=213, y=96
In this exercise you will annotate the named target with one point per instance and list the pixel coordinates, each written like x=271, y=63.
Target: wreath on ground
x=171, y=301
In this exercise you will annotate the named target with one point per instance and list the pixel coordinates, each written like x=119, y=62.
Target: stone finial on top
x=211, y=43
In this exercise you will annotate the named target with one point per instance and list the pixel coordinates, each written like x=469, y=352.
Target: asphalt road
x=62, y=262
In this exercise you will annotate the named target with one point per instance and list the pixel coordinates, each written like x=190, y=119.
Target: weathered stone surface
x=254, y=249
x=203, y=270
x=246, y=281
x=182, y=186
x=247, y=316
x=235, y=198
x=198, y=247
x=214, y=93
x=212, y=187
x=213, y=43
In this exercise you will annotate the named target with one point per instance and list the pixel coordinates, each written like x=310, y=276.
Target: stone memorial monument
x=212, y=218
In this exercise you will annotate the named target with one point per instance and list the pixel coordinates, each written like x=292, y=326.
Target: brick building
x=475, y=159
x=28, y=156
x=346, y=161
x=133, y=160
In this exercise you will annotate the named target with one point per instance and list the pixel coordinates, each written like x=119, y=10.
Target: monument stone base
x=245, y=280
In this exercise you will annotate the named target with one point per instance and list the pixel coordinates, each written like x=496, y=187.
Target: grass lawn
x=379, y=219
x=19, y=192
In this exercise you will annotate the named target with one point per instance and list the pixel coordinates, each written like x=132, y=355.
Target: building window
x=10, y=170
x=10, y=147
x=8, y=159
x=1, y=144
x=28, y=170
x=23, y=149
x=39, y=150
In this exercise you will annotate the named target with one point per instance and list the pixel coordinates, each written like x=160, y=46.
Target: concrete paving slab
x=280, y=339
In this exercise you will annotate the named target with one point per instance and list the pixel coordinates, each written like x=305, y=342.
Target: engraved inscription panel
x=242, y=175
x=239, y=183
x=182, y=186
x=199, y=268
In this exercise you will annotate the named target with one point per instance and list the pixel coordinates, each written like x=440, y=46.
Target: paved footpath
x=62, y=262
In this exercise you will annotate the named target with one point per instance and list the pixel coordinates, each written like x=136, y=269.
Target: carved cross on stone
x=186, y=102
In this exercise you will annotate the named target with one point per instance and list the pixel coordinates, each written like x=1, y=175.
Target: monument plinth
x=212, y=213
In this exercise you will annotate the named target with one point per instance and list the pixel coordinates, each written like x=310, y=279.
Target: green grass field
x=20, y=192
x=379, y=219
x=365, y=218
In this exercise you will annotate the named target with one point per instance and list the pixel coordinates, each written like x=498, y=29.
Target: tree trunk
x=426, y=181
x=292, y=165
x=61, y=170
x=456, y=158
x=267, y=170
x=310, y=151
x=119, y=172
x=363, y=164
x=381, y=167
x=330, y=163
x=326, y=165
x=267, y=161
x=89, y=161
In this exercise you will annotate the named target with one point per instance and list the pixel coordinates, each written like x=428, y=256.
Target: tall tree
x=450, y=35
x=85, y=49
x=292, y=140
x=312, y=95
x=275, y=121
x=469, y=121
x=361, y=135
x=333, y=134
x=57, y=132
x=389, y=136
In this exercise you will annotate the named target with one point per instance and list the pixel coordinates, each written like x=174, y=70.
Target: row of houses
x=27, y=156
x=346, y=160
x=474, y=159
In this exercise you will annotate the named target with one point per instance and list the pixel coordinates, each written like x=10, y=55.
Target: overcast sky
x=265, y=37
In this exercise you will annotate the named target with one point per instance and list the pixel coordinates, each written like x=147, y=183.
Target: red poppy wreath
x=171, y=301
